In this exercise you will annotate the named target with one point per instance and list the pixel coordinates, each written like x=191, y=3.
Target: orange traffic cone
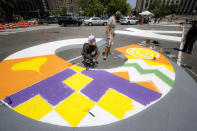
x=36, y=23
x=1, y=27
x=22, y=24
x=18, y=24
x=13, y=25
x=32, y=24
x=26, y=24
x=7, y=25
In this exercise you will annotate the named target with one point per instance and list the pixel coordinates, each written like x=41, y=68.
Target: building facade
x=142, y=5
x=37, y=8
x=71, y=5
x=188, y=7
x=29, y=8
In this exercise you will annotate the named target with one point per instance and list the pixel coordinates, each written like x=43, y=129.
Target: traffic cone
x=32, y=24
x=18, y=24
x=26, y=24
x=1, y=27
x=36, y=23
x=13, y=25
x=22, y=24
x=7, y=25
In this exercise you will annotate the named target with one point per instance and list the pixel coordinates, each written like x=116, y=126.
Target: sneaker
x=96, y=62
x=104, y=58
x=189, y=52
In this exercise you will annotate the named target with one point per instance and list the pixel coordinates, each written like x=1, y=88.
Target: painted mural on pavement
x=44, y=87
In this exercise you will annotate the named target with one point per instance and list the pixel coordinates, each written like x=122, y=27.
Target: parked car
x=51, y=20
x=128, y=21
x=190, y=21
x=95, y=21
x=69, y=20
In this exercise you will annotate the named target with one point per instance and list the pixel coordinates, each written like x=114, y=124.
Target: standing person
x=90, y=52
x=191, y=38
x=110, y=33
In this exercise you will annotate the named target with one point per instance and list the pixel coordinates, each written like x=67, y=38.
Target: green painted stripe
x=159, y=74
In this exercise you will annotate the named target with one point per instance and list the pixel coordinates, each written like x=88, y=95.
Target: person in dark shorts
x=191, y=38
x=110, y=33
x=90, y=52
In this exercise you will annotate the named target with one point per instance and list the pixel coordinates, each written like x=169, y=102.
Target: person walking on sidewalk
x=110, y=33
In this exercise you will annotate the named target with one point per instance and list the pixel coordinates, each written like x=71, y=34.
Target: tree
x=157, y=8
x=119, y=5
x=63, y=11
x=160, y=9
x=91, y=7
x=173, y=8
x=99, y=7
x=7, y=9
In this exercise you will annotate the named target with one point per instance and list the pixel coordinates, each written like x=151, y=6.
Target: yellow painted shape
x=150, y=62
x=77, y=68
x=160, y=59
x=74, y=108
x=142, y=53
x=35, y=108
x=116, y=103
x=33, y=65
x=77, y=81
x=130, y=57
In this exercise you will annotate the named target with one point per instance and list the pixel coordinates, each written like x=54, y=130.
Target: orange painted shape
x=162, y=59
x=124, y=75
x=149, y=85
x=14, y=81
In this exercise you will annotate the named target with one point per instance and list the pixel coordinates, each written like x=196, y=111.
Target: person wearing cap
x=90, y=51
x=110, y=33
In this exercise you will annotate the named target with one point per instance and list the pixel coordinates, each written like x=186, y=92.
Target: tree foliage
x=100, y=7
x=118, y=5
x=160, y=9
x=7, y=8
x=94, y=8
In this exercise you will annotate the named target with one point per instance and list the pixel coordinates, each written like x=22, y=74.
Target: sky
x=132, y=2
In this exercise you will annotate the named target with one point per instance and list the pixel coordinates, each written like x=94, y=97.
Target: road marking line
x=181, y=47
x=74, y=58
x=192, y=72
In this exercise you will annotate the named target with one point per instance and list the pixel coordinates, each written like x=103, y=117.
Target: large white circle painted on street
x=52, y=90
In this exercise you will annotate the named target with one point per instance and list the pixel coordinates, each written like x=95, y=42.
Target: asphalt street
x=172, y=113
x=13, y=42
